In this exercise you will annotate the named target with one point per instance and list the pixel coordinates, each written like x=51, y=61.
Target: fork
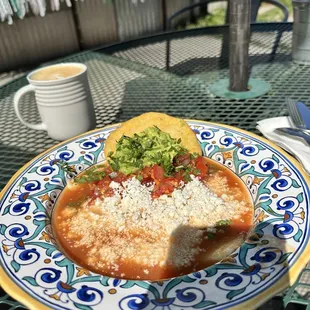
x=294, y=114
x=297, y=133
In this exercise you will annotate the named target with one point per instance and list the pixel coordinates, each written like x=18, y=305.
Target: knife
x=304, y=113
x=300, y=134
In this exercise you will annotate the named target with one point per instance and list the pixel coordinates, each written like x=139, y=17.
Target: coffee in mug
x=57, y=72
x=64, y=100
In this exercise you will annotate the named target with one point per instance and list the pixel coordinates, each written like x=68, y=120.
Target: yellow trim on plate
x=16, y=292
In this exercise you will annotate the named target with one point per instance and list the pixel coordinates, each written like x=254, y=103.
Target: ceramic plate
x=36, y=273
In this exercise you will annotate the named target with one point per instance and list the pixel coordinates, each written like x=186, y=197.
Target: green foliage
x=268, y=13
x=214, y=19
x=275, y=14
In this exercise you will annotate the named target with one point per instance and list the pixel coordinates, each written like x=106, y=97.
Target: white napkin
x=296, y=147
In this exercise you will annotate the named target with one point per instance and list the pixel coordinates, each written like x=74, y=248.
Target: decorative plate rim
x=293, y=272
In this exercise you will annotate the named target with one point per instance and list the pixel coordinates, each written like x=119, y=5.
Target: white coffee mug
x=65, y=105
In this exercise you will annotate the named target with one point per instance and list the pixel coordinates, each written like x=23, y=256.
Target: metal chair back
x=255, y=5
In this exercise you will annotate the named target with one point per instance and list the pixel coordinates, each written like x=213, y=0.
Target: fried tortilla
x=175, y=127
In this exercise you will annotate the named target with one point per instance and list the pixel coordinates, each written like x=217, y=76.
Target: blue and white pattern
x=30, y=256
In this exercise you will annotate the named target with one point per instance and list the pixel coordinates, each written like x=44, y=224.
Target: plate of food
x=155, y=213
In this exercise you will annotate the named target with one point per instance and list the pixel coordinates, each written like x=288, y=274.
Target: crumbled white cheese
x=131, y=226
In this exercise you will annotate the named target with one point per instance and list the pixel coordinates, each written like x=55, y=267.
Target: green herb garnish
x=91, y=175
x=223, y=223
x=78, y=202
x=196, y=171
x=213, y=167
x=211, y=236
x=62, y=164
x=194, y=155
x=186, y=176
x=148, y=148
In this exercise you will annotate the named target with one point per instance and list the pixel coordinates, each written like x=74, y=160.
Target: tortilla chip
x=176, y=127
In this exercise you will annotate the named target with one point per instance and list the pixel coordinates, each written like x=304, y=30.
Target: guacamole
x=145, y=149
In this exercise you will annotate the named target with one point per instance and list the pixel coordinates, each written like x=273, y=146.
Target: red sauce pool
x=217, y=247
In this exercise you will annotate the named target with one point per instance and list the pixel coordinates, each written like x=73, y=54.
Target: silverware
x=294, y=114
x=304, y=113
x=297, y=133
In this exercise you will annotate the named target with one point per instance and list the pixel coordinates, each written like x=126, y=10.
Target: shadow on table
x=8, y=303
x=261, y=256
x=204, y=65
x=174, y=96
x=276, y=303
x=12, y=159
x=180, y=95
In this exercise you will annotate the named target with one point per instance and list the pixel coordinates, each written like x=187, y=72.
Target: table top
x=129, y=78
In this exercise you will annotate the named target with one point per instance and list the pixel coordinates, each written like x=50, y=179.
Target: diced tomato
x=179, y=176
x=201, y=165
x=146, y=172
x=171, y=181
x=182, y=160
x=161, y=189
x=147, y=180
x=108, y=192
x=104, y=182
x=167, y=188
x=120, y=177
x=158, y=172
x=108, y=170
x=155, y=174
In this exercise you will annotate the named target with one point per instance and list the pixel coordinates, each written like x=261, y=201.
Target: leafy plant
x=268, y=13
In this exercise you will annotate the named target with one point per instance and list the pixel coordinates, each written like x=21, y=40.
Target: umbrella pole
x=239, y=86
x=239, y=38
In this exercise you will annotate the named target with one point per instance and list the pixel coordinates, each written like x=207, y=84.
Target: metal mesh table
x=128, y=79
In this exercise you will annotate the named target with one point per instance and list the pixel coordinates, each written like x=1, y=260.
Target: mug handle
x=20, y=93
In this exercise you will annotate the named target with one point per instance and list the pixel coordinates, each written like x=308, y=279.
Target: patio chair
x=255, y=5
